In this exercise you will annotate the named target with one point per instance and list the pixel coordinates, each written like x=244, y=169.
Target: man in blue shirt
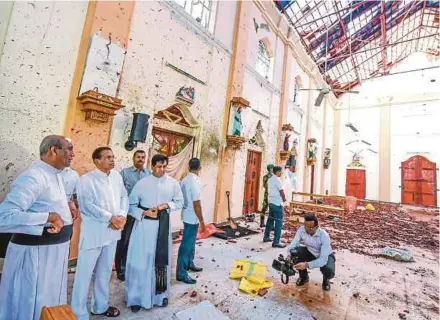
x=277, y=199
x=315, y=252
x=191, y=217
x=130, y=176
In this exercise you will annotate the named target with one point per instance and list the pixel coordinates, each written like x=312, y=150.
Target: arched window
x=263, y=60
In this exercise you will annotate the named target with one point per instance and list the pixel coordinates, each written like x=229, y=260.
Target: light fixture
x=351, y=126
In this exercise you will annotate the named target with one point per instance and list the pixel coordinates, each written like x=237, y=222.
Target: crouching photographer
x=315, y=252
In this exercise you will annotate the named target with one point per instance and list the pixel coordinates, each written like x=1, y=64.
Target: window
x=201, y=10
x=169, y=143
x=263, y=60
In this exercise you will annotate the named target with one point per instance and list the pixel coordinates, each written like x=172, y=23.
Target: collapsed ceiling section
x=352, y=41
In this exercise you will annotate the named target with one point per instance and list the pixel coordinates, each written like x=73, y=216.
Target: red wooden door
x=356, y=183
x=419, y=182
x=252, y=182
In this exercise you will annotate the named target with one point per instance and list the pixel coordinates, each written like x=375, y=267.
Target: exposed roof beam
x=347, y=39
x=383, y=29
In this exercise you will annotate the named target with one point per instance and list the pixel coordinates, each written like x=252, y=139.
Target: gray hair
x=51, y=141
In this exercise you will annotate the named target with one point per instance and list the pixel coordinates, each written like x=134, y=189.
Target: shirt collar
x=133, y=168
x=102, y=174
x=47, y=167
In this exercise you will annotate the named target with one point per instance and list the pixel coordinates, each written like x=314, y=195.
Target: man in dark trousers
x=315, y=252
x=130, y=176
x=192, y=217
x=266, y=192
x=277, y=199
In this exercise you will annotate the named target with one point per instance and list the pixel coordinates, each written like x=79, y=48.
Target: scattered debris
x=402, y=315
x=193, y=294
x=396, y=254
x=356, y=294
x=262, y=292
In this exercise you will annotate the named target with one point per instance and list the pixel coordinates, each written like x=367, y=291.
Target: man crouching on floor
x=315, y=252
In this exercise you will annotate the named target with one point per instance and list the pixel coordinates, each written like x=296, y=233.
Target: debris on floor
x=253, y=277
x=364, y=232
x=396, y=254
x=205, y=310
x=210, y=229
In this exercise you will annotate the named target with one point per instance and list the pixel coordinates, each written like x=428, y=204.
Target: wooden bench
x=317, y=208
x=315, y=196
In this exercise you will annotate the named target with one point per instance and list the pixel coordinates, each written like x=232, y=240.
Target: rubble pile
x=365, y=232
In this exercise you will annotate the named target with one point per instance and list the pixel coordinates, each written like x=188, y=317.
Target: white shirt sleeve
x=177, y=202
x=134, y=199
x=14, y=214
x=196, y=190
x=89, y=206
x=124, y=199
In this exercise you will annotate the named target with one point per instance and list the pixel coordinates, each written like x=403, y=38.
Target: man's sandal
x=112, y=312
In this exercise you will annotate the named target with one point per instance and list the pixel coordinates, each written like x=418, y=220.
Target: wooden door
x=252, y=182
x=356, y=183
x=419, y=182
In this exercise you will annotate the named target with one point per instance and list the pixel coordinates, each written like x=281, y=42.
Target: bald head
x=57, y=151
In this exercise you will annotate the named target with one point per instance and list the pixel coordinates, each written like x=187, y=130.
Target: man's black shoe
x=187, y=280
x=164, y=302
x=135, y=309
x=326, y=284
x=267, y=240
x=279, y=245
x=121, y=276
x=302, y=281
x=195, y=269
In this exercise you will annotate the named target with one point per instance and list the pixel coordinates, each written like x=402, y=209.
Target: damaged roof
x=352, y=41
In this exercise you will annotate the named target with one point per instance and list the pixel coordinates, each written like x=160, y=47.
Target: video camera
x=286, y=265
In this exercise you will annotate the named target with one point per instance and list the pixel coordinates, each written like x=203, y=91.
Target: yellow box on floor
x=253, y=271
x=252, y=287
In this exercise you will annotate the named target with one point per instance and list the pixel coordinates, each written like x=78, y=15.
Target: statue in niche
x=286, y=142
x=291, y=162
x=312, y=151
x=235, y=123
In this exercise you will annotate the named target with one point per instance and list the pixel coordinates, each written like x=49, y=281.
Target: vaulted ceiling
x=352, y=41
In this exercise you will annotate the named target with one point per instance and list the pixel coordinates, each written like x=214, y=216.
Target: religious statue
x=327, y=160
x=235, y=123
x=312, y=150
x=186, y=93
x=286, y=142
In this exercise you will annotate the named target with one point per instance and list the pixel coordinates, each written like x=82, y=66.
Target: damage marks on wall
x=36, y=70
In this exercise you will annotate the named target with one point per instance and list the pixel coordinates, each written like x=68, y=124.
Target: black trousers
x=304, y=255
x=122, y=246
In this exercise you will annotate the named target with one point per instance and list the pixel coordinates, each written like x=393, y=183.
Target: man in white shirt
x=103, y=204
x=276, y=198
x=312, y=246
x=148, y=271
x=70, y=180
x=36, y=212
x=191, y=216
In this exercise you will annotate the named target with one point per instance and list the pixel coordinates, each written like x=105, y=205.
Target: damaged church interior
x=336, y=103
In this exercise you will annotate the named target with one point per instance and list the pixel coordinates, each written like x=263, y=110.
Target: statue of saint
x=235, y=122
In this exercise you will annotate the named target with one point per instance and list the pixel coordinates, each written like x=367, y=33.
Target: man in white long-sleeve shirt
x=148, y=270
x=315, y=252
x=103, y=203
x=37, y=213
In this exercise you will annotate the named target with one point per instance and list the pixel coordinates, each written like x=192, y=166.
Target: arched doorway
x=174, y=134
x=419, y=182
